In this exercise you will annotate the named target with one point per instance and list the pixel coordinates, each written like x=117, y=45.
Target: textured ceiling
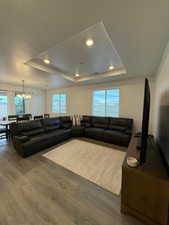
x=138, y=29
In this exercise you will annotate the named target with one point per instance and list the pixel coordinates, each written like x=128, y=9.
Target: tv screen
x=145, y=122
x=162, y=136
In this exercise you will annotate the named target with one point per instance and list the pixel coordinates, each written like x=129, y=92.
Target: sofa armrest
x=21, y=139
x=18, y=142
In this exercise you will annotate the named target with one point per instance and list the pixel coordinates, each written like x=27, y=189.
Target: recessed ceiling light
x=111, y=67
x=77, y=75
x=47, y=61
x=89, y=42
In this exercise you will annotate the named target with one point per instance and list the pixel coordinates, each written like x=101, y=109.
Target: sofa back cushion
x=120, y=124
x=86, y=121
x=51, y=124
x=100, y=122
x=29, y=128
x=66, y=122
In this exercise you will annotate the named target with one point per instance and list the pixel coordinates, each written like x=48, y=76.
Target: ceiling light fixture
x=23, y=94
x=89, y=42
x=111, y=67
x=77, y=75
x=47, y=61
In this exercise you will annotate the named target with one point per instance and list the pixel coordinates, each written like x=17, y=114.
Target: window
x=106, y=103
x=19, y=105
x=59, y=103
x=3, y=106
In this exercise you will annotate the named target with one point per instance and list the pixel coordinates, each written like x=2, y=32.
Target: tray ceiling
x=73, y=56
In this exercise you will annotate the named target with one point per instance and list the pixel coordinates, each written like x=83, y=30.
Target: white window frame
x=59, y=111
x=23, y=104
x=92, y=110
x=5, y=95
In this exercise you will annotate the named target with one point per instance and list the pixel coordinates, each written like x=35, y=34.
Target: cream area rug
x=97, y=163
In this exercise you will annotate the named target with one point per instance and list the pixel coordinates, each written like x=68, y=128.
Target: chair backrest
x=46, y=115
x=38, y=117
x=12, y=117
x=28, y=115
x=22, y=119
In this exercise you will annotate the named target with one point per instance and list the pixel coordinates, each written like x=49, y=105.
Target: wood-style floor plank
x=36, y=191
x=93, y=161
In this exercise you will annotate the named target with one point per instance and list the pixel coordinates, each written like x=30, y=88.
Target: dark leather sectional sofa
x=108, y=129
x=33, y=136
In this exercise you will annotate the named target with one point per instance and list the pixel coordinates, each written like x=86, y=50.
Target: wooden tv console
x=145, y=189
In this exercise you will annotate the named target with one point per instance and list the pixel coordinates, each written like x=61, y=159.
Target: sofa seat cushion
x=94, y=132
x=55, y=134
x=116, y=137
x=33, y=132
x=22, y=139
x=118, y=128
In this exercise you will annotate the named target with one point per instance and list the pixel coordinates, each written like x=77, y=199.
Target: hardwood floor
x=36, y=191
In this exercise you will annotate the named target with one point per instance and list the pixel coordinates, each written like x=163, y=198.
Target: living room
x=84, y=112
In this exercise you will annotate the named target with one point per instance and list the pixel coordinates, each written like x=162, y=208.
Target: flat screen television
x=145, y=123
x=162, y=135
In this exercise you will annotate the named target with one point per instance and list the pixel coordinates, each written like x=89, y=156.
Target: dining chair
x=12, y=117
x=3, y=133
x=38, y=117
x=46, y=115
x=28, y=115
x=22, y=119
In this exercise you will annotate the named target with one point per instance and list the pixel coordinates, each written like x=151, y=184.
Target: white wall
x=161, y=87
x=35, y=106
x=80, y=98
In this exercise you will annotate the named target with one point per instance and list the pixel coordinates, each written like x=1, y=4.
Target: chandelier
x=23, y=94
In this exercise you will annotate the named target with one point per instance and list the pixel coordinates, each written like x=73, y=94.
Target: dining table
x=6, y=124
